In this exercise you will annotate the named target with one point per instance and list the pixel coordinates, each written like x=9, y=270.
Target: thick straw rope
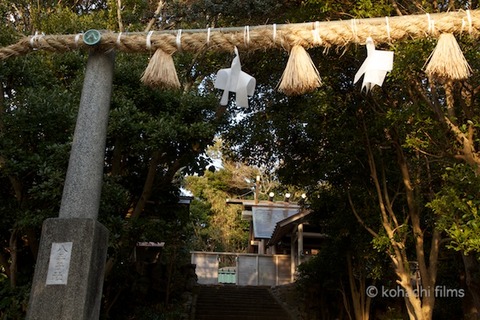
x=332, y=33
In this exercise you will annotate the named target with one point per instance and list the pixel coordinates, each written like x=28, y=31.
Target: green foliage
x=218, y=227
x=65, y=20
x=178, y=124
x=457, y=207
x=115, y=198
x=381, y=243
x=222, y=13
x=34, y=142
x=151, y=286
x=13, y=301
x=346, y=8
x=369, y=8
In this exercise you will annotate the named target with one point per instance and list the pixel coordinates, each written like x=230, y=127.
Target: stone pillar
x=70, y=267
x=292, y=256
x=83, y=183
x=261, y=246
x=300, y=244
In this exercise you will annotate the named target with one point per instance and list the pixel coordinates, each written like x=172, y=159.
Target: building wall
x=206, y=268
x=251, y=269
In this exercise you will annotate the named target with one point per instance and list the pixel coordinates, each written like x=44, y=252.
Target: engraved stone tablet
x=59, y=263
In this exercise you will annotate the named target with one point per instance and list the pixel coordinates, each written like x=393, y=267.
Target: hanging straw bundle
x=300, y=75
x=160, y=72
x=447, y=61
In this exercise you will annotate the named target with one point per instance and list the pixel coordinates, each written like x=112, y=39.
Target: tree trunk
x=361, y=302
x=450, y=99
x=13, y=258
x=17, y=188
x=428, y=271
x=148, y=185
x=119, y=16
x=2, y=106
x=170, y=270
x=117, y=158
x=420, y=307
x=472, y=279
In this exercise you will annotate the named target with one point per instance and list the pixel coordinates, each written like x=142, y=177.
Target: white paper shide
x=375, y=67
x=235, y=80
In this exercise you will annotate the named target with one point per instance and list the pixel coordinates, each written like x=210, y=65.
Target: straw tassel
x=160, y=72
x=447, y=61
x=300, y=75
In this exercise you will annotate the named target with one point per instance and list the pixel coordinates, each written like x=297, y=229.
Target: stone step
x=240, y=317
x=230, y=302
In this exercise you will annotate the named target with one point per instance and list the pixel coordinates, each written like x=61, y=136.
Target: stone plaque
x=59, y=263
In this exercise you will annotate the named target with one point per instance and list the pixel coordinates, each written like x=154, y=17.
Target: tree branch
x=148, y=185
x=119, y=16
x=469, y=154
x=160, y=6
x=13, y=258
x=359, y=219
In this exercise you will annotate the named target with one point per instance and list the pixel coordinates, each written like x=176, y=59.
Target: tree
x=218, y=226
x=337, y=280
x=401, y=134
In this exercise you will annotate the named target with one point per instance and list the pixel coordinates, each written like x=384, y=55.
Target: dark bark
x=472, y=279
x=2, y=106
x=33, y=242
x=148, y=185
x=13, y=258
x=117, y=157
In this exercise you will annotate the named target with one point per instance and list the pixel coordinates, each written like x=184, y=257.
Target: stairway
x=230, y=302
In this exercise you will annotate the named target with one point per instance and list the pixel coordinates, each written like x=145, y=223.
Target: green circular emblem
x=92, y=37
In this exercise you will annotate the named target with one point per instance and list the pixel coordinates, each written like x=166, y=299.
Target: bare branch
x=119, y=16
x=359, y=219
x=160, y=6
x=388, y=203
x=469, y=154
x=148, y=186
x=396, y=7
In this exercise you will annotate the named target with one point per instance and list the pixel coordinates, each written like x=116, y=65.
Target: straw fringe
x=300, y=75
x=447, y=61
x=161, y=72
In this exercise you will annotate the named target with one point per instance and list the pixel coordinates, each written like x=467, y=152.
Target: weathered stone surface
x=80, y=297
x=83, y=183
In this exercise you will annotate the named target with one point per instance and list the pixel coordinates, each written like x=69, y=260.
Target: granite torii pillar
x=70, y=267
